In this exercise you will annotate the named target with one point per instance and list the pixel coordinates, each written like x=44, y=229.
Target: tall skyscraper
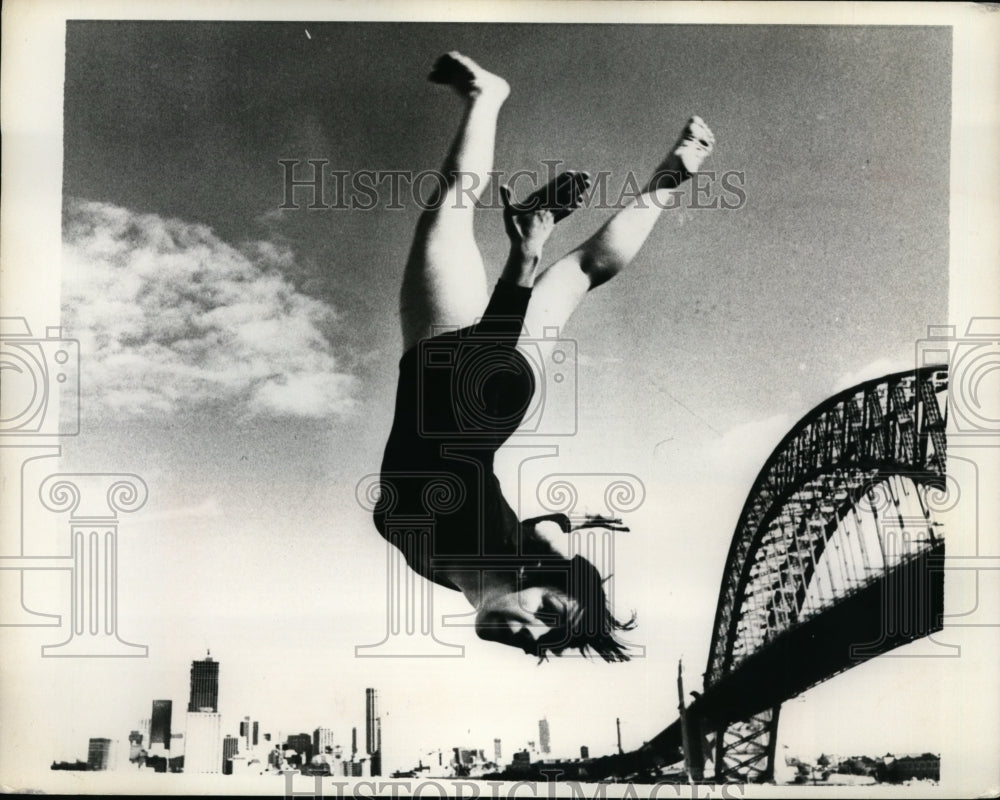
x=98, y=754
x=203, y=743
x=159, y=725
x=204, y=685
x=496, y=751
x=373, y=731
x=543, y=736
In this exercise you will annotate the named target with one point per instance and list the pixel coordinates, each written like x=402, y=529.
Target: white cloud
x=170, y=317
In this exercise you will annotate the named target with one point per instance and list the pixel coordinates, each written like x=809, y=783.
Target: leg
x=444, y=282
x=562, y=286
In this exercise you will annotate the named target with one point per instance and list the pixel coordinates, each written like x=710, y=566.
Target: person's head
x=553, y=604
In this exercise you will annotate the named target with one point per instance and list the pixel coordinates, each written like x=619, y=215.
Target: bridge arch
x=836, y=558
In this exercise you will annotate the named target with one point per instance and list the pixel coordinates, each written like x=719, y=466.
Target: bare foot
x=695, y=144
x=562, y=195
x=467, y=78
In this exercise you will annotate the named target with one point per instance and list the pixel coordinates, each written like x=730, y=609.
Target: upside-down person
x=524, y=592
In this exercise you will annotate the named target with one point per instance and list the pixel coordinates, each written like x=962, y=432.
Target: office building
x=134, y=746
x=249, y=734
x=159, y=727
x=322, y=740
x=302, y=744
x=203, y=743
x=99, y=754
x=204, y=685
x=496, y=751
x=230, y=748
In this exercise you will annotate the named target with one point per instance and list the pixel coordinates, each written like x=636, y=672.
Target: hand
x=600, y=521
x=527, y=230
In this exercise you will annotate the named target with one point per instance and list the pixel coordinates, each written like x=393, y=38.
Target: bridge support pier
x=745, y=749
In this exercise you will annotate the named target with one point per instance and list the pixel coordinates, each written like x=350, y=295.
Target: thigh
x=557, y=293
x=444, y=286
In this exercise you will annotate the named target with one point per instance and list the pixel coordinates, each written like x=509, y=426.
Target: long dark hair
x=592, y=630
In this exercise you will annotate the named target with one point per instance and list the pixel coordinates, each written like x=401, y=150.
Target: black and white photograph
x=504, y=399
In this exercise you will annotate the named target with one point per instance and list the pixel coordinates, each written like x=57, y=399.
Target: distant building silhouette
x=98, y=754
x=584, y=751
x=75, y=766
x=373, y=731
x=543, y=736
x=520, y=761
x=496, y=752
x=159, y=725
x=302, y=744
x=249, y=733
x=467, y=760
x=230, y=748
x=204, y=685
x=134, y=746
x=322, y=739
x=896, y=770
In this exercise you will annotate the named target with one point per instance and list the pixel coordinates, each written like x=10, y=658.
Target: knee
x=598, y=269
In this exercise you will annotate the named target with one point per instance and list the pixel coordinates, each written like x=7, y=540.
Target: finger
x=505, y=195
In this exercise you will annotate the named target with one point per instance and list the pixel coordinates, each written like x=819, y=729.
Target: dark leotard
x=460, y=396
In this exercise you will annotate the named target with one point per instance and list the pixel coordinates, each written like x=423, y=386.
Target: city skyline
x=207, y=741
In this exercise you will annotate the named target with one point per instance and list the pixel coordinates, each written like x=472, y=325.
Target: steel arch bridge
x=837, y=558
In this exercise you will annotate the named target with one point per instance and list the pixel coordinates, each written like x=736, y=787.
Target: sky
x=241, y=357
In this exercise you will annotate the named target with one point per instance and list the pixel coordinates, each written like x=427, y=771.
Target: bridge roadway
x=869, y=622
